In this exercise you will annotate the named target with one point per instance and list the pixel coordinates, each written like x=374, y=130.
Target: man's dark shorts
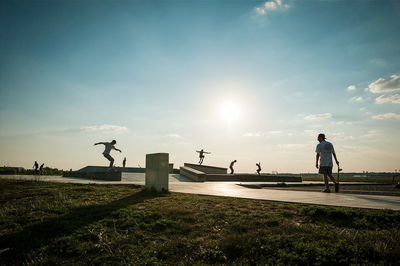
x=325, y=170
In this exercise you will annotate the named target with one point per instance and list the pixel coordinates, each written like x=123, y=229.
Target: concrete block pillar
x=157, y=168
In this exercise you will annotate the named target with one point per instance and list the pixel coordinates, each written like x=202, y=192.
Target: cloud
x=385, y=85
x=395, y=98
x=358, y=99
x=173, y=135
x=256, y=134
x=271, y=6
x=291, y=146
x=344, y=123
x=386, y=116
x=275, y=132
x=311, y=132
x=351, y=88
x=318, y=116
x=106, y=128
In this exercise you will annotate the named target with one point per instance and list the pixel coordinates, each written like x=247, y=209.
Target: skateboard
x=338, y=177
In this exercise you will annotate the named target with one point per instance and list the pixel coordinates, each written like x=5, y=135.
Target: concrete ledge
x=105, y=176
x=192, y=174
x=207, y=169
x=93, y=169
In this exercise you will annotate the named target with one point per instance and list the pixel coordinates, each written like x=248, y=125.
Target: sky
x=254, y=81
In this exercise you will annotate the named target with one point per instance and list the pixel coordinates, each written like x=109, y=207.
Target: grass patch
x=50, y=223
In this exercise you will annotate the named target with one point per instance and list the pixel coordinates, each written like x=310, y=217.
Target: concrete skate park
x=213, y=180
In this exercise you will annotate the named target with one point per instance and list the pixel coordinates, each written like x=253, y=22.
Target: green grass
x=71, y=224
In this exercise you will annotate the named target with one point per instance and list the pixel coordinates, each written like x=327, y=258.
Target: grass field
x=71, y=224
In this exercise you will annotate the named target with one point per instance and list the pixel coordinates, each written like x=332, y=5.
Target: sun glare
x=230, y=111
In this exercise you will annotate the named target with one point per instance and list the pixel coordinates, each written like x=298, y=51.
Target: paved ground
x=233, y=189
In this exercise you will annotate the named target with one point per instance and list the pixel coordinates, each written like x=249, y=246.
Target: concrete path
x=233, y=189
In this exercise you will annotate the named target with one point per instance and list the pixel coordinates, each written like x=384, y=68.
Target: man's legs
x=111, y=159
x=326, y=181
x=231, y=170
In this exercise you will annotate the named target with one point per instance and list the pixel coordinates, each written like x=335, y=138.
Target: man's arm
x=334, y=156
x=117, y=149
x=99, y=143
x=316, y=160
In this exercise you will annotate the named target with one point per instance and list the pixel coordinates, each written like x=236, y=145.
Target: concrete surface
x=180, y=184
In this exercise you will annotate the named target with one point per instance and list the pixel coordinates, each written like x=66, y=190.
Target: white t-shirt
x=108, y=147
x=325, y=150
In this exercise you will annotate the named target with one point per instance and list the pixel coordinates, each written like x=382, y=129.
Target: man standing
x=36, y=166
x=108, y=147
x=231, y=166
x=124, y=162
x=324, y=152
x=41, y=168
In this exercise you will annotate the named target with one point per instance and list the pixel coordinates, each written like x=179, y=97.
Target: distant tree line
x=22, y=171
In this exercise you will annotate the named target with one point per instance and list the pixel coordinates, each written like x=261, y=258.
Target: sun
x=230, y=111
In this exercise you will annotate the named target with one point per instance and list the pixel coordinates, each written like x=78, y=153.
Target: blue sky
x=246, y=80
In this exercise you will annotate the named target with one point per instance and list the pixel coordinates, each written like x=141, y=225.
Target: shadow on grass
x=35, y=236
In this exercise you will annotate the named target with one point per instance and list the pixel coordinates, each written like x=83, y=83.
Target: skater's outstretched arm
x=117, y=149
x=99, y=143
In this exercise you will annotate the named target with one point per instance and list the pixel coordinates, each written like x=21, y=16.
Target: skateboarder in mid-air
x=201, y=155
x=324, y=152
x=231, y=166
x=258, y=168
x=108, y=147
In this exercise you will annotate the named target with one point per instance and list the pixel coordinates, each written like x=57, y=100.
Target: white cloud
x=275, y=132
x=395, y=98
x=385, y=85
x=173, y=135
x=386, y=116
x=292, y=146
x=256, y=134
x=106, y=128
x=311, y=132
x=318, y=116
x=358, y=99
x=344, y=123
x=370, y=133
x=271, y=6
x=351, y=88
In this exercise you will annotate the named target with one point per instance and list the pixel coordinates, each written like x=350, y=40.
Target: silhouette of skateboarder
x=124, y=162
x=231, y=166
x=41, y=168
x=107, y=149
x=258, y=168
x=36, y=166
x=201, y=155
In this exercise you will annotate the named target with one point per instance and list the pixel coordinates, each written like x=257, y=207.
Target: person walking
x=231, y=166
x=36, y=167
x=258, y=168
x=124, y=162
x=201, y=155
x=41, y=168
x=108, y=146
x=324, y=152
